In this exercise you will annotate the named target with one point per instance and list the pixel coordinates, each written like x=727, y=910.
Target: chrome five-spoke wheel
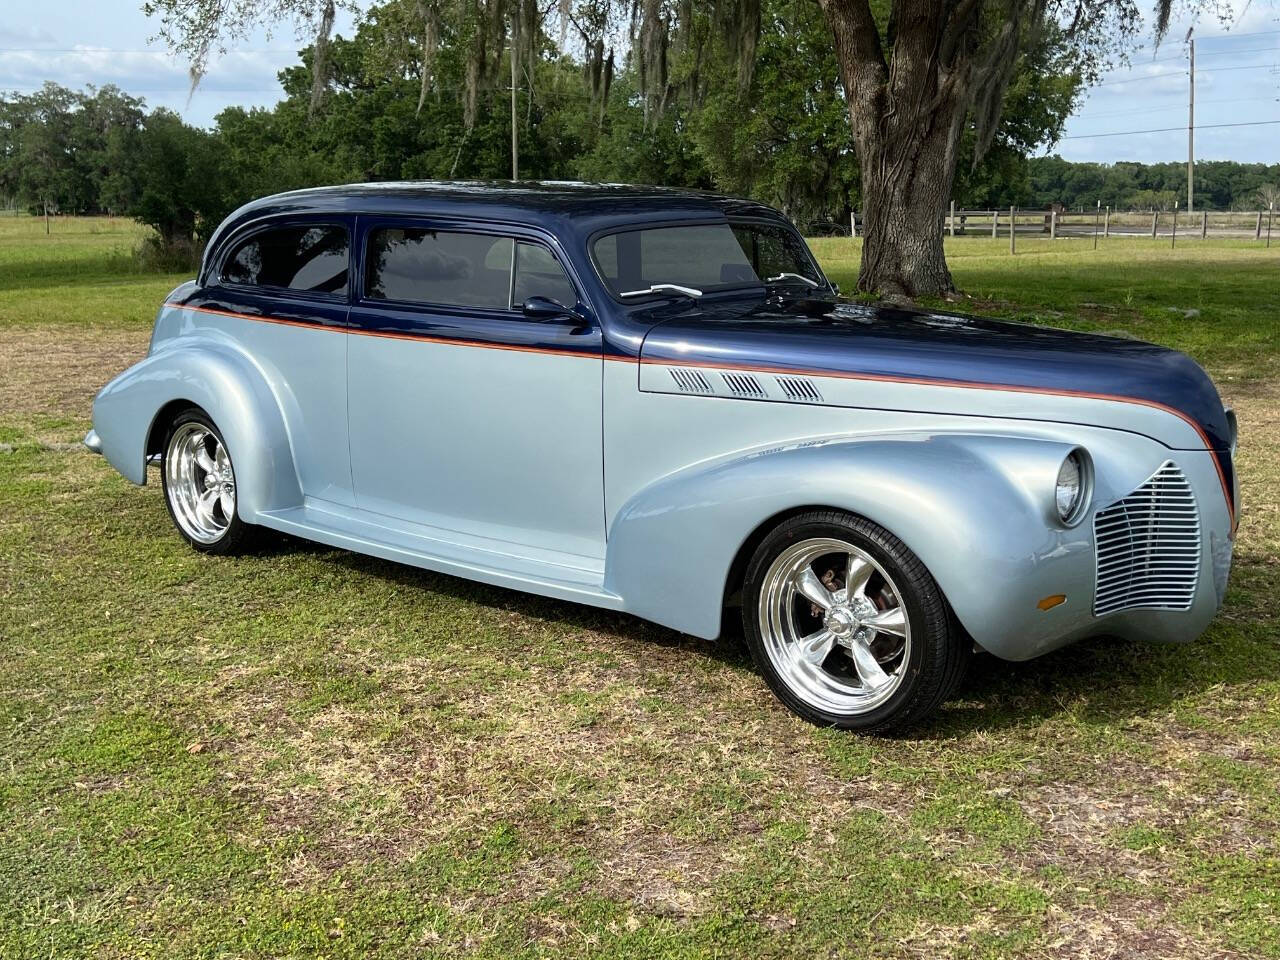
x=834, y=625
x=847, y=625
x=200, y=484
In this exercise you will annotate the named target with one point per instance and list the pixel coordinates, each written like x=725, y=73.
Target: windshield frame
x=646, y=298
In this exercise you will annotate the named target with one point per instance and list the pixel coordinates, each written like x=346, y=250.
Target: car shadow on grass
x=730, y=649
x=1102, y=680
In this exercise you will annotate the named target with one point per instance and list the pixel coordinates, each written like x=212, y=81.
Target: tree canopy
x=396, y=104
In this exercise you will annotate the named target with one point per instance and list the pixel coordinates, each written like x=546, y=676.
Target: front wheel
x=847, y=625
x=200, y=485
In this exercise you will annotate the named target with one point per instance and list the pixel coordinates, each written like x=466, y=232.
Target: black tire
x=930, y=667
x=237, y=535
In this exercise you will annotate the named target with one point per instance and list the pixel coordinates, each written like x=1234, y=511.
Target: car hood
x=855, y=340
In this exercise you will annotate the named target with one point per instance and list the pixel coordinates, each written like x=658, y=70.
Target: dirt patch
x=55, y=371
x=1126, y=928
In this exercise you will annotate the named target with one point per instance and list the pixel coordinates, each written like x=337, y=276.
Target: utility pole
x=1191, y=127
x=515, y=129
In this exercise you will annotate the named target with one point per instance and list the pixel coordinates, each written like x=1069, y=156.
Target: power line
x=4, y=88
x=1239, y=53
x=163, y=53
x=1256, y=66
x=1202, y=126
x=1220, y=53
x=1178, y=106
x=1183, y=73
x=1154, y=76
x=1235, y=36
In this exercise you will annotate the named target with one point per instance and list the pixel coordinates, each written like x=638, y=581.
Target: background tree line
x=1220, y=184
x=388, y=111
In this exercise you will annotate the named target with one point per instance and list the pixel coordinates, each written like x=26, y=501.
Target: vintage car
x=653, y=401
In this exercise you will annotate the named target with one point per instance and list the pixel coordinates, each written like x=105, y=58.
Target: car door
x=281, y=291
x=465, y=415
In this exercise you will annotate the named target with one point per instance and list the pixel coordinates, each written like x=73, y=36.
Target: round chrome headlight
x=1070, y=491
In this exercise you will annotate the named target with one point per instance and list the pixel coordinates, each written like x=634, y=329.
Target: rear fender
x=229, y=387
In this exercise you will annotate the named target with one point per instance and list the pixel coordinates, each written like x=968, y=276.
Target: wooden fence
x=1101, y=222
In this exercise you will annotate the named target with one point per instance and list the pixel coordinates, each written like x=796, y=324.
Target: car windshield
x=696, y=258
x=777, y=254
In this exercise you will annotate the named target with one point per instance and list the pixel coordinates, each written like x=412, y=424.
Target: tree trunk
x=906, y=116
x=906, y=186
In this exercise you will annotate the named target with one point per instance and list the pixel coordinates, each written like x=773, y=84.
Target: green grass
x=83, y=271
x=310, y=753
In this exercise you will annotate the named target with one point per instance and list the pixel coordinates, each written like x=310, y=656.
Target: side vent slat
x=1148, y=547
x=689, y=380
x=743, y=385
x=799, y=389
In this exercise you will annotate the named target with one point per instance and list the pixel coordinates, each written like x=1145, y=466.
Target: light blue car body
x=580, y=461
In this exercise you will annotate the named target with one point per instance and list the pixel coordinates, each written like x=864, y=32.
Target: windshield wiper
x=794, y=276
x=664, y=288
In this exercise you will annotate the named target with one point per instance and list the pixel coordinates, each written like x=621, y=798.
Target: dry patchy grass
x=307, y=752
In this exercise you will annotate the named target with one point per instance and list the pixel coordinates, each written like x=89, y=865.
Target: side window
x=313, y=259
x=539, y=274
x=432, y=266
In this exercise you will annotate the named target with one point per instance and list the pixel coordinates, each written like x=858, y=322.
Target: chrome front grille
x=1148, y=547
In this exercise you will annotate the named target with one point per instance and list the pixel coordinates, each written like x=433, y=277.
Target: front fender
x=226, y=384
x=976, y=509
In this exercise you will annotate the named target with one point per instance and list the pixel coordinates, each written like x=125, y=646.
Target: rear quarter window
x=306, y=258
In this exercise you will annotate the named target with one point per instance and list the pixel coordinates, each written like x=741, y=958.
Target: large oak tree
x=920, y=77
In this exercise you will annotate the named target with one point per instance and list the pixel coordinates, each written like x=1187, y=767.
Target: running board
x=561, y=576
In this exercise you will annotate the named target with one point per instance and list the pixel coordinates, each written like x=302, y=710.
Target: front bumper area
x=93, y=442
x=1128, y=570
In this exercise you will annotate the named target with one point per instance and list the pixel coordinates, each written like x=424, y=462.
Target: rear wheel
x=847, y=625
x=200, y=485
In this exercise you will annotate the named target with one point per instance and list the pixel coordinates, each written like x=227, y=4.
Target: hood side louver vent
x=689, y=380
x=800, y=389
x=743, y=385
x=1148, y=547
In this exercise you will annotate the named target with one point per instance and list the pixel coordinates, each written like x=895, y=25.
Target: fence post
x=1106, y=223
x=995, y=222
x=951, y=220
x=1271, y=208
x=1053, y=224
x=1204, y=224
x=1174, y=241
x=1096, y=211
x=1155, y=221
x=1257, y=227
x=1013, y=229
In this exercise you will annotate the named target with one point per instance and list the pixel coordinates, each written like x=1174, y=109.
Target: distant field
x=310, y=753
x=1216, y=299
x=83, y=271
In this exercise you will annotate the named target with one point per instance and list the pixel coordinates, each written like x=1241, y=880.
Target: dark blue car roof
x=581, y=207
x=516, y=201
x=570, y=211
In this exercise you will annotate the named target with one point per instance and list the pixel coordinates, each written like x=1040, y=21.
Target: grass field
x=310, y=753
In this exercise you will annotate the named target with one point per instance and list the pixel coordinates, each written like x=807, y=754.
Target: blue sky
x=75, y=42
